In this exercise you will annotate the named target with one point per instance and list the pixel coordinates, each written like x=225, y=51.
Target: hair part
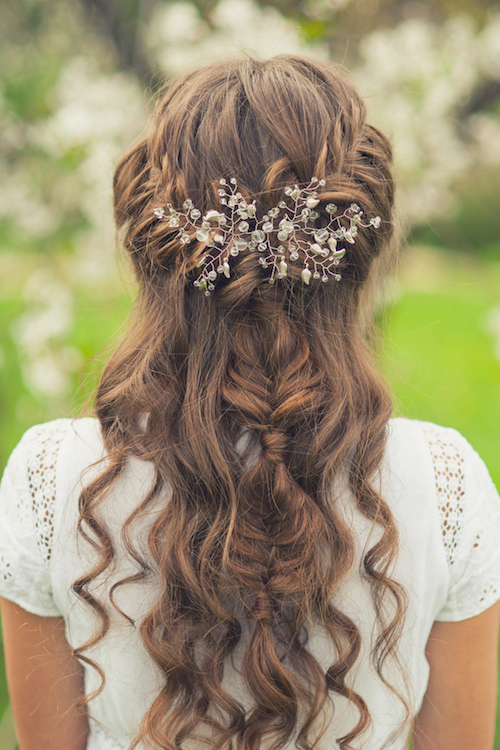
x=262, y=540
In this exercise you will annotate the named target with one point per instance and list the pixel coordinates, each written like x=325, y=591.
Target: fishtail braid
x=276, y=388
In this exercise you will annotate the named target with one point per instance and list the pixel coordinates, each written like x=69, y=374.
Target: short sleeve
x=27, y=505
x=469, y=509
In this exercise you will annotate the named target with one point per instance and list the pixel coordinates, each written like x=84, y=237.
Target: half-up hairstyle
x=249, y=537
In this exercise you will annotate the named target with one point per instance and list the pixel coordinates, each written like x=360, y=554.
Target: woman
x=244, y=550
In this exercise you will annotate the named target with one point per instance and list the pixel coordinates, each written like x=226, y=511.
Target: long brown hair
x=237, y=539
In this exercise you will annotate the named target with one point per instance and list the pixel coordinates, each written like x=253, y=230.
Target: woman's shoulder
x=414, y=429
x=443, y=449
x=49, y=449
x=443, y=456
x=56, y=431
x=443, y=474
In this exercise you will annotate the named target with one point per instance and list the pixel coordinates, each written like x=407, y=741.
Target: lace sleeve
x=469, y=509
x=27, y=503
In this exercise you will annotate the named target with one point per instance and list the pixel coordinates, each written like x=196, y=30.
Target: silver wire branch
x=236, y=229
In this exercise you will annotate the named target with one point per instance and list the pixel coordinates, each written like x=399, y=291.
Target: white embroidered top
x=439, y=490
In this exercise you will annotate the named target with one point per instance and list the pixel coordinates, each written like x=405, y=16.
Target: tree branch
x=119, y=21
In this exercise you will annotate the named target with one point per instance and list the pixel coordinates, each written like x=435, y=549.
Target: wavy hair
x=251, y=534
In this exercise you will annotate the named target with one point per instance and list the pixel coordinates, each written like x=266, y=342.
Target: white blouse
x=444, y=502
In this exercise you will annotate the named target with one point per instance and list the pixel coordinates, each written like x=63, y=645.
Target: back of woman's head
x=252, y=530
x=269, y=125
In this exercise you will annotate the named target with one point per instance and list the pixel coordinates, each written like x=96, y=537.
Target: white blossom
x=485, y=131
x=180, y=39
x=101, y=114
x=49, y=375
x=416, y=76
x=89, y=106
x=41, y=335
x=488, y=44
x=21, y=202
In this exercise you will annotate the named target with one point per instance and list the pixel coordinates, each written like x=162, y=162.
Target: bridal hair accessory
x=236, y=229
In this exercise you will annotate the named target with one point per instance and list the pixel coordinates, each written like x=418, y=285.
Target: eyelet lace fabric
x=469, y=509
x=27, y=505
x=448, y=463
x=42, y=483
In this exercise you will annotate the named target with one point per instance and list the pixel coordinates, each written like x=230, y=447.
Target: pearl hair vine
x=236, y=229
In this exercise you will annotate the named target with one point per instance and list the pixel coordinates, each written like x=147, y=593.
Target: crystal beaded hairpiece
x=237, y=230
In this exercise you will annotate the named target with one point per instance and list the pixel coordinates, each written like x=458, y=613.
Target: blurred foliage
x=442, y=351
x=474, y=226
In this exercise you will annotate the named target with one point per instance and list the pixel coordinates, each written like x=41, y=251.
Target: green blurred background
x=76, y=79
